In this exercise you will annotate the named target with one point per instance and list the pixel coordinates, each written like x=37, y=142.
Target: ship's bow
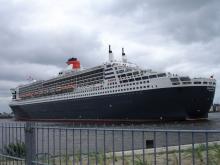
x=200, y=102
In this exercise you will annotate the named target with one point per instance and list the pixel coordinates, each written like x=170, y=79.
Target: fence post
x=30, y=144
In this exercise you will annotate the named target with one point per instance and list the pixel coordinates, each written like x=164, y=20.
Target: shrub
x=16, y=149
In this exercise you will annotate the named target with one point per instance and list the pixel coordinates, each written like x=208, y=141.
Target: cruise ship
x=113, y=91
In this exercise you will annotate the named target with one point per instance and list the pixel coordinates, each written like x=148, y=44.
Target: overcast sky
x=37, y=37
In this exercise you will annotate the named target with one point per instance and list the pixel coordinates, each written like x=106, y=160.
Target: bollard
x=30, y=144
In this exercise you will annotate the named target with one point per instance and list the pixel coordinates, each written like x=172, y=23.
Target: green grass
x=200, y=153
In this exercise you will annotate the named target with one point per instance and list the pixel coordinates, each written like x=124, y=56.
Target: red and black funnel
x=75, y=63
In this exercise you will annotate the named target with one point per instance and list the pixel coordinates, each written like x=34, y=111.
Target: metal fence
x=34, y=143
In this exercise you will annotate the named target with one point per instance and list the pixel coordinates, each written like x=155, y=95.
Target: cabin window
x=135, y=73
x=107, y=66
x=120, y=71
x=110, y=77
x=137, y=79
x=108, y=69
x=152, y=76
x=145, y=77
x=108, y=73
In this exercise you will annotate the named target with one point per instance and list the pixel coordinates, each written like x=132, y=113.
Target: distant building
x=6, y=115
x=215, y=108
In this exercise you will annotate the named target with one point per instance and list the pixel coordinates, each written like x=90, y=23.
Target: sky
x=37, y=37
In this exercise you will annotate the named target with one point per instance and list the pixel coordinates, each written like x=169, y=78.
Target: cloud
x=46, y=47
x=20, y=71
x=36, y=34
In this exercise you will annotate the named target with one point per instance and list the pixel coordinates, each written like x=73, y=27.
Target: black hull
x=177, y=103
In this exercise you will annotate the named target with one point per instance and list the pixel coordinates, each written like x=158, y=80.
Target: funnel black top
x=123, y=53
x=72, y=59
x=109, y=49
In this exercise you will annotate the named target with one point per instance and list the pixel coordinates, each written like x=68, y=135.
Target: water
x=213, y=122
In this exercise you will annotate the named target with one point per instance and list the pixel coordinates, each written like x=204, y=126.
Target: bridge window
x=161, y=75
x=174, y=79
x=197, y=82
x=184, y=78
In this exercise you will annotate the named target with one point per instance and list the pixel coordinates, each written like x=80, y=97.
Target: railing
x=34, y=143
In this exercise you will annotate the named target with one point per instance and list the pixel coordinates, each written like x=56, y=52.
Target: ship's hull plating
x=177, y=103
